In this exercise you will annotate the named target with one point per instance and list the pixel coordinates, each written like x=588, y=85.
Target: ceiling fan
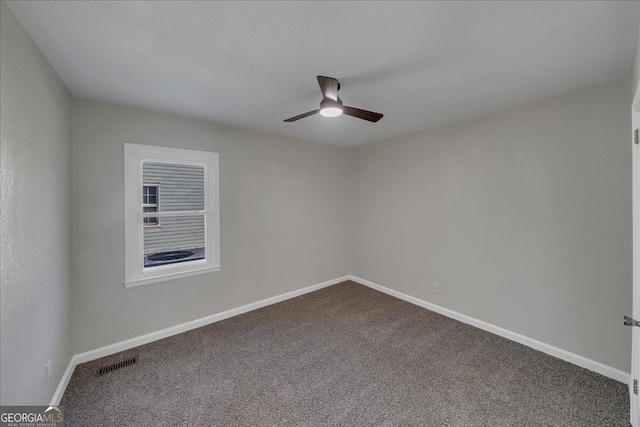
x=331, y=105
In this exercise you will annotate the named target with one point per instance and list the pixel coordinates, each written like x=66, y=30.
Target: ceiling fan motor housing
x=328, y=103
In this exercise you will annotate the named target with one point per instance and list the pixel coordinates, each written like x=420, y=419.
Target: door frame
x=635, y=348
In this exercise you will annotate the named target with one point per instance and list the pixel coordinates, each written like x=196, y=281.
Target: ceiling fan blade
x=361, y=114
x=302, y=116
x=329, y=87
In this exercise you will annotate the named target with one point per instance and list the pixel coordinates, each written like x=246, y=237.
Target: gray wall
x=523, y=216
x=284, y=219
x=35, y=262
x=635, y=68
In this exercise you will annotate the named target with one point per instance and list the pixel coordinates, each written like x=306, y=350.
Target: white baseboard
x=174, y=330
x=565, y=355
x=64, y=381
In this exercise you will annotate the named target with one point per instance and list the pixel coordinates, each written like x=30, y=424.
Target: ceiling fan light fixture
x=331, y=111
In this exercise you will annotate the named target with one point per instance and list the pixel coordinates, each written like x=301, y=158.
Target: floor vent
x=118, y=365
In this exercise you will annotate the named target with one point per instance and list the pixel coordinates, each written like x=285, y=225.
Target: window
x=150, y=196
x=173, y=230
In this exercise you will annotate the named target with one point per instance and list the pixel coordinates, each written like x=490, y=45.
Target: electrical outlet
x=330, y=268
x=48, y=371
x=435, y=287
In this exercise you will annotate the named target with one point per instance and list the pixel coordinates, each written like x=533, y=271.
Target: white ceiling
x=253, y=64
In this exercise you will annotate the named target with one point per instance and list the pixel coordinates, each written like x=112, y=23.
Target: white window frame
x=134, y=157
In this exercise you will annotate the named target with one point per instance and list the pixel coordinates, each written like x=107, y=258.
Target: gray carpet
x=342, y=356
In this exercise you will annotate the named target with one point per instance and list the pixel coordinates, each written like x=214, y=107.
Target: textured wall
x=35, y=300
x=284, y=219
x=635, y=68
x=523, y=216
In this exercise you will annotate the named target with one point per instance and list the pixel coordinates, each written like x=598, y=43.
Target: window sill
x=172, y=276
